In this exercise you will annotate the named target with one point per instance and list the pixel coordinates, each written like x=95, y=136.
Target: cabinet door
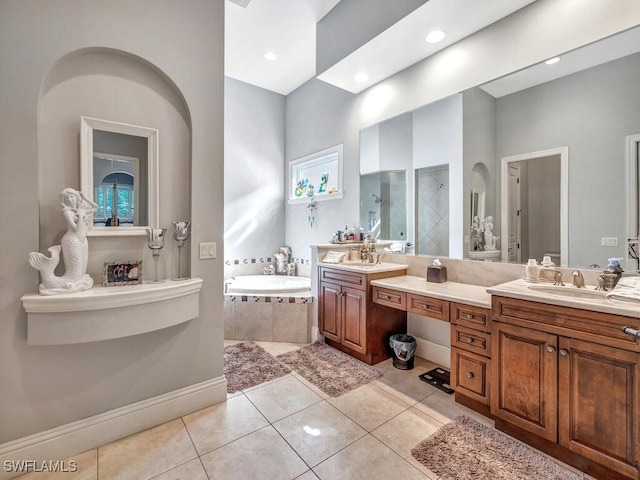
x=330, y=311
x=598, y=415
x=354, y=319
x=525, y=379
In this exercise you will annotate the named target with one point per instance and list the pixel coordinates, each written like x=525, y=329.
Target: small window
x=317, y=176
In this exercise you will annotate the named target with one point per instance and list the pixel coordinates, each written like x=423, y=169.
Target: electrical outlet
x=207, y=250
x=609, y=241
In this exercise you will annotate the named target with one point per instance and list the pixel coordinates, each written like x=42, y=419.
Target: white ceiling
x=284, y=27
x=288, y=28
x=612, y=48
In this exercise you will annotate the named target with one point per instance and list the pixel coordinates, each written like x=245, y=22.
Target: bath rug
x=248, y=364
x=329, y=369
x=468, y=450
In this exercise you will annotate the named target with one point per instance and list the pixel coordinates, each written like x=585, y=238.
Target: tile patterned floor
x=286, y=429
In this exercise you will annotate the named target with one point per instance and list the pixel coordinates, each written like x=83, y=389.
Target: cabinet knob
x=563, y=352
x=424, y=306
x=386, y=297
x=470, y=375
x=550, y=349
x=469, y=316
x=469, y=340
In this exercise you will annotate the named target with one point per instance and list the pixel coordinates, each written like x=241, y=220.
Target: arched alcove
x=116, y=86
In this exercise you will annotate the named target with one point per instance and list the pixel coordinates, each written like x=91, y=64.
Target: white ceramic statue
x=77, y=210
x=490, y=240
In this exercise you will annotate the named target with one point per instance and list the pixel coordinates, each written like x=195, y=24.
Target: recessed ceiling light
x=270, y=56
x=361, y=77
x=553, y=60
x=435, y=36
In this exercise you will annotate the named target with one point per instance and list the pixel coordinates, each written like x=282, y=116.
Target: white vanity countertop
x=453, y=291
x=520, y=289
x=362, y=267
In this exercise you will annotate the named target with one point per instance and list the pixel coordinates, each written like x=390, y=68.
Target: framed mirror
x=119, y=171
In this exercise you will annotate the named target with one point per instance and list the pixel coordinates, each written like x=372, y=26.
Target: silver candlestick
x=180, y=235
x=155, y=241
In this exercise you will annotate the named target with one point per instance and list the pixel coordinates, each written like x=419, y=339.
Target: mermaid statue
x=77, y=210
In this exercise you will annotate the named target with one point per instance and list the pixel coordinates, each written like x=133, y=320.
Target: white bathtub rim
x=284, y=286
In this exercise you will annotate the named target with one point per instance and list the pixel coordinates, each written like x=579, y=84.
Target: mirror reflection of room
x=119, y=162
x=383, y=205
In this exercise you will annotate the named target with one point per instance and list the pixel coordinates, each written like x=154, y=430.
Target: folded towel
x=333, y=257
x=627, y=289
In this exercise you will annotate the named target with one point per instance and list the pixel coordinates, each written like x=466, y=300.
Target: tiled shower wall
x=432, y=215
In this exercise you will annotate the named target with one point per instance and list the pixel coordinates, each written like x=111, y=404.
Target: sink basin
x=570, y=292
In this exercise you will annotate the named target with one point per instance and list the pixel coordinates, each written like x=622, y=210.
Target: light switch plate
x=207, y=250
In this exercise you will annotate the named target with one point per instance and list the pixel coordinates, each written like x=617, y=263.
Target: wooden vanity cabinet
x=570, y=377
x=348, y=318
x=471, y=355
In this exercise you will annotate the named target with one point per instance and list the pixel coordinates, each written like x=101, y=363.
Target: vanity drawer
x=470, y=375
x=429, y=307
x=470, y=316
x=342, y=277
x=471, y=340
x=390, y=298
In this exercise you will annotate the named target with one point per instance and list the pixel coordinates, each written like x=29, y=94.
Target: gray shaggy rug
x=329, y=369
x=248, y=364
x=468, y=450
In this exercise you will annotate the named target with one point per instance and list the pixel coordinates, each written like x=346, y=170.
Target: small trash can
x=404, y=347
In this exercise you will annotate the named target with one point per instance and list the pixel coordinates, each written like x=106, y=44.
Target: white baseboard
x=433, y=352
x=73, y=438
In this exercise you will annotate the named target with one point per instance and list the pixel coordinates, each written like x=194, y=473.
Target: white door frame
x=633, y=220
x=564, y=198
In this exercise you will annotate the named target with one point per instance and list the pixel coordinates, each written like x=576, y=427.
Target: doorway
x=534, y=199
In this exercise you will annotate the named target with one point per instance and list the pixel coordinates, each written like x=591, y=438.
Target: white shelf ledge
x=104, y=313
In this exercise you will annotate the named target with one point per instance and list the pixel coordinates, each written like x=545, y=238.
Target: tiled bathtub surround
x=269, y=319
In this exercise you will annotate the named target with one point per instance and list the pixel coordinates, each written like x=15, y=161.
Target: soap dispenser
x=612, y=273
x=532, y=271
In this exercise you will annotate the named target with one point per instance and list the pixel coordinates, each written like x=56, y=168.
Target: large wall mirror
x=119, y=171
x=585, y=106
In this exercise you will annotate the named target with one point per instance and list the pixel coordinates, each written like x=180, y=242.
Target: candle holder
x=180, y=235
x=155, y=241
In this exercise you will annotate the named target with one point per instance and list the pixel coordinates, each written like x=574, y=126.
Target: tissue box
x=436, y=274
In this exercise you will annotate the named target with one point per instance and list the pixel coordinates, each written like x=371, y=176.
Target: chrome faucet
x=557, y=279
x=578, y=279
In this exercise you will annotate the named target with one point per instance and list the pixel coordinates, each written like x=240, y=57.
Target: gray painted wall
x=352, y=23
x=43, y=387
x=254, y=196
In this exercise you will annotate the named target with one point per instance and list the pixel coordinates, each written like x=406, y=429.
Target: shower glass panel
x=432, y=211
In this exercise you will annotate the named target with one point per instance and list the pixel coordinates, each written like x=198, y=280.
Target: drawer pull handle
x=469, y=340
x=563, y=353
x=631, y=331
x=386, y=297
x=550, y=349
x=469, y=316
x=470, y=375
x=425, y=306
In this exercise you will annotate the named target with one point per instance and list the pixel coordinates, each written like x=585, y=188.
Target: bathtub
x=269, y=308
x=275, y=285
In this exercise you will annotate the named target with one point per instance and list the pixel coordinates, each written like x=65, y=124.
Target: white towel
x=627, y=289
x=333, y=257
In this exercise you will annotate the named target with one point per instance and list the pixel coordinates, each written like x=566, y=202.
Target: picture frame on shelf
x=122, y=273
